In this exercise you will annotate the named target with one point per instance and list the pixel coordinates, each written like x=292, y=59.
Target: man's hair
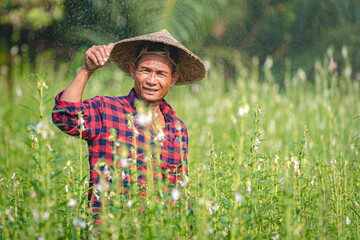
x=161, y=49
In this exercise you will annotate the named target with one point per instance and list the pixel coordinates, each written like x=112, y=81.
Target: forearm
x=74, y=92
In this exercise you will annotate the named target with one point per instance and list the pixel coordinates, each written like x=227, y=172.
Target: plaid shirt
x=103, y=113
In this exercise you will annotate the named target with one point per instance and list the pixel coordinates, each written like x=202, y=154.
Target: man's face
x=153, y=77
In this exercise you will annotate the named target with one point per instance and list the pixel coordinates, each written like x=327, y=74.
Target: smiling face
x=153, y=77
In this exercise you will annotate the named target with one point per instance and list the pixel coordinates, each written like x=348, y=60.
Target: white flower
x=233, y=120
x=52, y=133
x=50, y=149
x=312, y=181
x=276, y=237
x=332, y=64
x=13, y=176
x=276, y=158
x=344, y=52
x=347, y=71
x=82, y=123
x=124, y=162
x=82, y=224
x=207, y=64
x=99, y=187
x=39, y=126
x=19, y=92
x=179, y=127
x=268, y=62
x=44, y=134
x=256, y=143
x=72, y=203
x=175, y=194
x=356, y=204
x=210, y=230
x=333, y=162
x=210, y=119
x=186, y=178
x=106, y=170
x=11, y=218
x=211, y=211
x=143, y=119
x=46, y=215
x=129, y=203
x=347, y=220
x=281, y=180
x=35, y=215
x=296, y=165
x=238, y=197
x=243, y=110
x=160, y=136
x=216, y=207
x=123, y=175
x=97, y=196
x=75, y=221
x=302, y=74
x=196, y=88
x=248, y=186
x=34, y=138
x=259, y=168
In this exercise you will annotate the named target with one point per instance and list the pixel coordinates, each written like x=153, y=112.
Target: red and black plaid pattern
x=103, y=113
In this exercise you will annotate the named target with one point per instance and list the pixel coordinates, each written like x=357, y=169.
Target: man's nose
x=151, y=79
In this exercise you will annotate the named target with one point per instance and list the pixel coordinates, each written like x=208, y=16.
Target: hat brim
x=190, y=67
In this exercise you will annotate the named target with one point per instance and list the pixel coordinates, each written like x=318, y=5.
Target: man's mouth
x=150, y=90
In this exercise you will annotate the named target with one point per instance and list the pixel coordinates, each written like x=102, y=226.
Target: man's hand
x=97, y=56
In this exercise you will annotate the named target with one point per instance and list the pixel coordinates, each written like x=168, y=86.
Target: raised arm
x=95, y=57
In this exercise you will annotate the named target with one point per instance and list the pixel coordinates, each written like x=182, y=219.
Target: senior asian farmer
x=156, y=62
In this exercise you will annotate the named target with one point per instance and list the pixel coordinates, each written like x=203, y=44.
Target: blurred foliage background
x=228, y=33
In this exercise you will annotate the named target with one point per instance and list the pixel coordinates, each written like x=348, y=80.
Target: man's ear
x=132, y=69
x=174, y=78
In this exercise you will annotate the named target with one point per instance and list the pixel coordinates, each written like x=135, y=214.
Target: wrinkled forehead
x=154, y=60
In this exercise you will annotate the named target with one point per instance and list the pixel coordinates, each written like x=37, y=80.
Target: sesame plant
x=266, y=161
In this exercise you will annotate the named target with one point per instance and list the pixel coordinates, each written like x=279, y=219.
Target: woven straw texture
x=190, y=67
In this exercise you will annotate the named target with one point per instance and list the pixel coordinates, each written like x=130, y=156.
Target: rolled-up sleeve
x=65, y=116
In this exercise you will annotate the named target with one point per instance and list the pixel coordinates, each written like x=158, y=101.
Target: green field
x=286, y=169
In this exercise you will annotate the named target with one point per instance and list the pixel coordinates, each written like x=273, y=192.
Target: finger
x=99, y=57
x=94, y=59
x=90, y=56
x=103, y=53
x=110, y=47
x=95, y=51
x=106, y=50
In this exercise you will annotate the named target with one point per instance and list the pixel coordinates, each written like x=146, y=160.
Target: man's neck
x=160, y=120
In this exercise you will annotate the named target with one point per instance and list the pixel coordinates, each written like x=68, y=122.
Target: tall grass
x=266, y=161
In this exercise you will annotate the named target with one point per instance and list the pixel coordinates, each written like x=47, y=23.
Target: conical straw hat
x=190, y=67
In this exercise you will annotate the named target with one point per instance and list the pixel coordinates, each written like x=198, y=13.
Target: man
x=156, y=62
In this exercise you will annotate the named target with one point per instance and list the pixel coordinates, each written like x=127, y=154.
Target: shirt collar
x=165, y=108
